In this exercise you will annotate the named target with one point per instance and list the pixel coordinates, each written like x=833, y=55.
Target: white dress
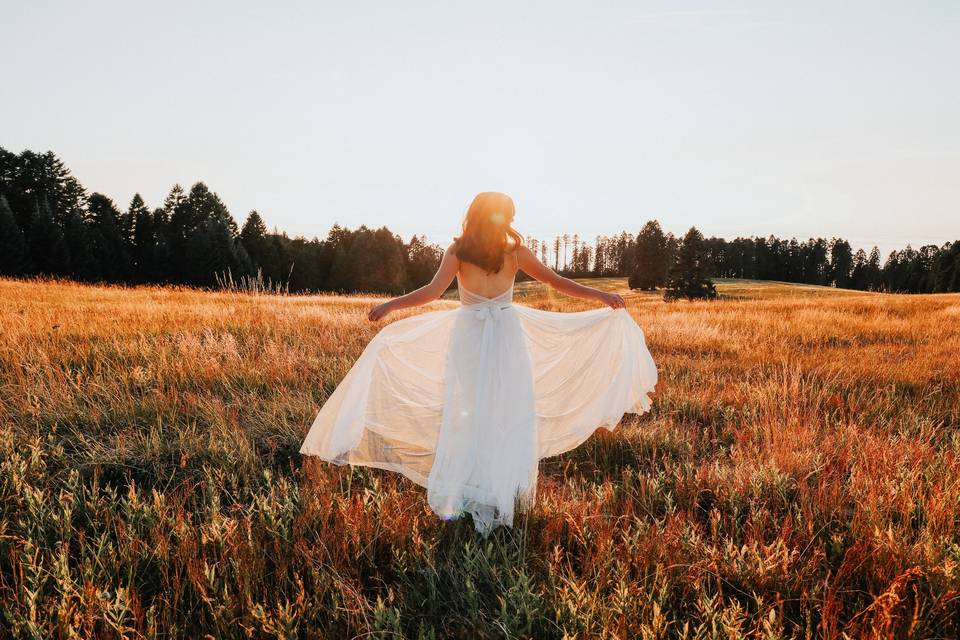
x=466, y=401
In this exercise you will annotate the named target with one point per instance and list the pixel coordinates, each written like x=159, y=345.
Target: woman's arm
x=430, y=291
x=536, y=269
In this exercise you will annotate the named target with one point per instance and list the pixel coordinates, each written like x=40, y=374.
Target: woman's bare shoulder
x=451, y=249
x=523, y=251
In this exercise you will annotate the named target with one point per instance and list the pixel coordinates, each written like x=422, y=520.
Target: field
x=799, y=476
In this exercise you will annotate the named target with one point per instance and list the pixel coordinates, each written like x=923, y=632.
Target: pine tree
x=625, y=254
x=816, y=268
x=126, y=221
x=202, y=205
x=253, y=237
x=213, y=254
x=109, y=247
x=143, y=242
x=369, y=261
x=163, y=266
x=946, y=269
x=422, y=261
x=48, y=251
x=307, y=262
x=83, y=265
x=858, y=273
x=13, y=246
x=650, y=264
x=873, y=272
x=841, y=262
x=599, y=262
x=180, y=224
x=586, y=254
x=32, y=177
x=689, y=274
x=339, y=278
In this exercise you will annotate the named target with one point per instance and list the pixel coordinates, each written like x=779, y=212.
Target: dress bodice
x=468, y=297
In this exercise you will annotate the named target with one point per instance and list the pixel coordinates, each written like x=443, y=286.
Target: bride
x=465, y=402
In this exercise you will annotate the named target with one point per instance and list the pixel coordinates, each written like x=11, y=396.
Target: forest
x=51, y=226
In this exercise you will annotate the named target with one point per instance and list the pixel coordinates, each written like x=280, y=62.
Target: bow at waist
x=487, y=310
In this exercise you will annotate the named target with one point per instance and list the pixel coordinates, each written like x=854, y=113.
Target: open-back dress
x=466, y=401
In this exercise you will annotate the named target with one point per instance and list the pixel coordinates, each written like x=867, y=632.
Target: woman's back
x=476, y=280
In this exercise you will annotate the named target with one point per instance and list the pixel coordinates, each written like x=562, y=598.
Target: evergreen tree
x=163, y=263
x=858, y=272
x=174, y=200
x=253, y=236
x=372, y=262
x=8, y=172
x=28, y=178
x=212, y=255
x=650, y=262
x=892, y=273
x=180, y=224
x=946, y=269
x=83, y=265
x=841, y=263
x=143, y=243
x=920, y=271
x=203, y=205
x=421, y=263
x=796, y=260
x=201, y=213
x=13, y=246
x=872, y=272
x=48, y=251
x=816, y=268
x=309, y=264
x=689, y=274
x=340, y=277
x=599, y=257
x=126, y=220
x=109, y=247
x=761, y=257
x=581, y=260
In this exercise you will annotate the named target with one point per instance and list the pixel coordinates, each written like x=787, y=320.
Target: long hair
x=486, y=228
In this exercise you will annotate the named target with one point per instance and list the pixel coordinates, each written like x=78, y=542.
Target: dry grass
x=798, y=477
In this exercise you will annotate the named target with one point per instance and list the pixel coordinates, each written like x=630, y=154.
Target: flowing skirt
x=465, y=402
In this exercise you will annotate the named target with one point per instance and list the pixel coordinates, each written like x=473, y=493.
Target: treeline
x=648, y=257
x=50, y=225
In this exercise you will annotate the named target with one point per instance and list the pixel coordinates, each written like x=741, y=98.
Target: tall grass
x=798, y=477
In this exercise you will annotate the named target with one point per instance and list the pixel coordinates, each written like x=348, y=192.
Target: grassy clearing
x=798, y=477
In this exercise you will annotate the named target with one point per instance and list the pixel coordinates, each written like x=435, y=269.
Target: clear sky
x=743, y=118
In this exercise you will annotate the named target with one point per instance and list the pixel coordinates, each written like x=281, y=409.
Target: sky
x=741, y=118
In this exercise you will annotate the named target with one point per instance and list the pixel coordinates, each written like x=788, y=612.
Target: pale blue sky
x=742, y=118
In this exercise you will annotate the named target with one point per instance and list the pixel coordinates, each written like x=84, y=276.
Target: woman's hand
x=379, y=311
x=612, y=300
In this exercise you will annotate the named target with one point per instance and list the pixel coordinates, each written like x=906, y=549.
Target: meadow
x=798, y=477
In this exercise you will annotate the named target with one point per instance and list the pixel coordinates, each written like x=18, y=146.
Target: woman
x=465, y=402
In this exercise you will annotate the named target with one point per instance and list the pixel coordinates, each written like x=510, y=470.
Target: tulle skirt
x=465, y=402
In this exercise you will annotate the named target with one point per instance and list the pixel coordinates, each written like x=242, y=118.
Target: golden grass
x=798, y=477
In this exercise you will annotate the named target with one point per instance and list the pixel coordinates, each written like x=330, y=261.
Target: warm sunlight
x=539, y=320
